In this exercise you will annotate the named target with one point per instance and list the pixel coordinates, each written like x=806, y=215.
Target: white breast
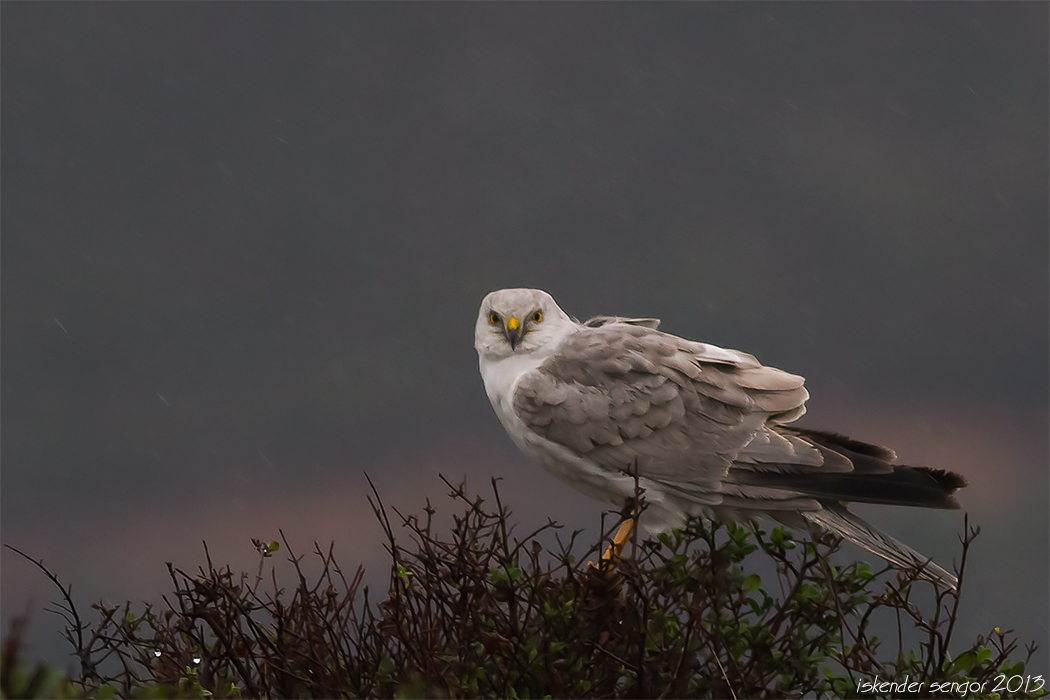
x=501, y=378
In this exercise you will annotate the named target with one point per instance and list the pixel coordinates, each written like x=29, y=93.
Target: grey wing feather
x=630, y=397
x=598, y=321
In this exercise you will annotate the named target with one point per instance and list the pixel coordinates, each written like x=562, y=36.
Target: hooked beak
x=513, y=331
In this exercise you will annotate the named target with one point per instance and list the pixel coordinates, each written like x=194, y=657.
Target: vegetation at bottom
x=479, y=612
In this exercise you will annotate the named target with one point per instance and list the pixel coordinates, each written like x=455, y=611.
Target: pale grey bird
x=703, y=428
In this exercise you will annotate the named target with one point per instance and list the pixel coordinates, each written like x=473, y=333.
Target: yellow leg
x=612, y=554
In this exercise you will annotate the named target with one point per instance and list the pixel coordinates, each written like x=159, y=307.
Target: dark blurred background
x=243, y=247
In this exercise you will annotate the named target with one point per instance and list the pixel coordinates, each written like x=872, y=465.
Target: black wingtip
x=834, y=440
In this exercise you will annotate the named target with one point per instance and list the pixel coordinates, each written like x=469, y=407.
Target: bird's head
x=515, y=321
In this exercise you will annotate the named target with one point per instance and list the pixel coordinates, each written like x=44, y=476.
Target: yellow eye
x=493, y=318
x=537, y=317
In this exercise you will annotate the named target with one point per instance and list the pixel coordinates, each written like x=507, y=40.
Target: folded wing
x=629, y=397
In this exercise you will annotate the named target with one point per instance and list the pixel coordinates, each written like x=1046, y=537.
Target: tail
x=847, y=471
x=836, y=518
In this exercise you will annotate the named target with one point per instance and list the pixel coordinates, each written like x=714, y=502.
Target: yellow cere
x=512, y=323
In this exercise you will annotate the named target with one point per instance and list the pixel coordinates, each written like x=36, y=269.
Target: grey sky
x=243, y=247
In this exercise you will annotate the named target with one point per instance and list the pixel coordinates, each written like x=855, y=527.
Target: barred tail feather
x=837, y=519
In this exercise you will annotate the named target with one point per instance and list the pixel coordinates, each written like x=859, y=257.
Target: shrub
x=481, y=613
